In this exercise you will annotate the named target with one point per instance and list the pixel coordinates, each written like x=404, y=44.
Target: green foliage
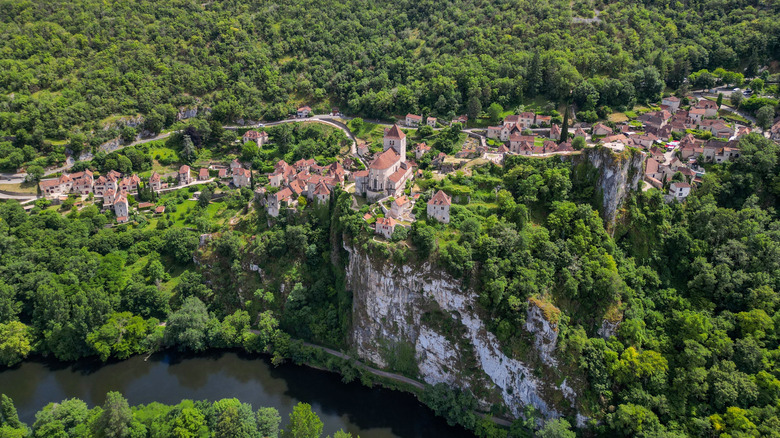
x=15, y=343
x=303, y=423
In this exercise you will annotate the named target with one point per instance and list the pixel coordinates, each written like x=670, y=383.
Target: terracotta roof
x=49, y=183
x=397, y=175
x=145, y=205
x=697, y=111
x=252, y=134
x=361, y=173
x=652, y=165
x=413, y=117
x=681, y=185
x=304, y=108
x=395, y=132
x=512, y=118
x=203, y=172
x=385, y=160
x=321, y=189
x=160, y=209
x=283, y=194
x=386, y=221
x=672, y=98
x=401, y=200
x=440, y=198
x=184, y=169
x=154, y=178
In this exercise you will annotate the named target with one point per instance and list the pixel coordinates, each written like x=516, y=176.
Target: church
x=388, y=172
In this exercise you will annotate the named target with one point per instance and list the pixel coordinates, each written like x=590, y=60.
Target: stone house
x=601, y=129
x=431, y=121
x=413, y=120
x=385, y=226
x=121, y=208
x=260, y=138
x=304, y=111
x=276, y=201
x=184, y=176
x=242, y=177
x=203, y=174
x=439, y=207
x=672, y=102
x=421, y=150
x=400, y=206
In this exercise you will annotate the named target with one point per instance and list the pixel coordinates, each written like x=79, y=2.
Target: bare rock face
x=608, y=329
x=545, y=334
x=389, y=302
x=619, y=173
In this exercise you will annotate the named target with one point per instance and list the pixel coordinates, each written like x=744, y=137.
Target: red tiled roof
x=184, y=169
x=440, y=198
x=385, y=160
x=160, y=209
x=413, y=117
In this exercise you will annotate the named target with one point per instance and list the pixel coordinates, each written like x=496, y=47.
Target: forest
x=226, y=418
x=69, y=69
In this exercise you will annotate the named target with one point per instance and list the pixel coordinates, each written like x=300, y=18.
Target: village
x=678, y=141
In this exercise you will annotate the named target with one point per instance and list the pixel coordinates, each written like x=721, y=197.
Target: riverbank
x=168, y=377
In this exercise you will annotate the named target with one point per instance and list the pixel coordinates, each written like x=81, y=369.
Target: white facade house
x=679, y=190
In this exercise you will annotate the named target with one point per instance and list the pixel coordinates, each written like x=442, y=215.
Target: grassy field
x=23, y=188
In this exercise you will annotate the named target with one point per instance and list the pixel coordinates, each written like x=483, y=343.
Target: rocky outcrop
x=608, y=328
x=618, y=174
x=389, y=304
x=545, y=333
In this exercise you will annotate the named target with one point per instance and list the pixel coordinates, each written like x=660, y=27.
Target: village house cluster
x=518, y=143
x=112, y=188
x=304, y=178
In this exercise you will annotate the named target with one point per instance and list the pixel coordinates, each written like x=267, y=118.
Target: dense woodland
x=68, y=66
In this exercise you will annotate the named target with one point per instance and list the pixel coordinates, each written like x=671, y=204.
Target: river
x=170, y=377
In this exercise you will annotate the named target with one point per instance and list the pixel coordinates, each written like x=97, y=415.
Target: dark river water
x=168, y=378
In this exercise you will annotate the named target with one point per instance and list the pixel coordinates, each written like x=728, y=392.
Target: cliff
x=617, y=174
x=424, y=309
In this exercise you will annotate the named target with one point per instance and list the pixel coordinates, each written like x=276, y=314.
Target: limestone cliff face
x=618, y=174
x=390, y=304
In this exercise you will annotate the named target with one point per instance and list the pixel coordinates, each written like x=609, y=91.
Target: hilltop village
x=678, y=137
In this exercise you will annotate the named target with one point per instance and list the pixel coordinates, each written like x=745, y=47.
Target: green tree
x=268, y=420
x=188, y=153
x=558, y=428
x=494, y=112
x=304, y=423
x=474, y=107
x=8, y=413
x=115, y=418
x=34, y=173
x=15, y=342
x=578, y=143
x=757, y=85
x=736, y=98
x=186, y=327
x=764, y=116
x=719, y=102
